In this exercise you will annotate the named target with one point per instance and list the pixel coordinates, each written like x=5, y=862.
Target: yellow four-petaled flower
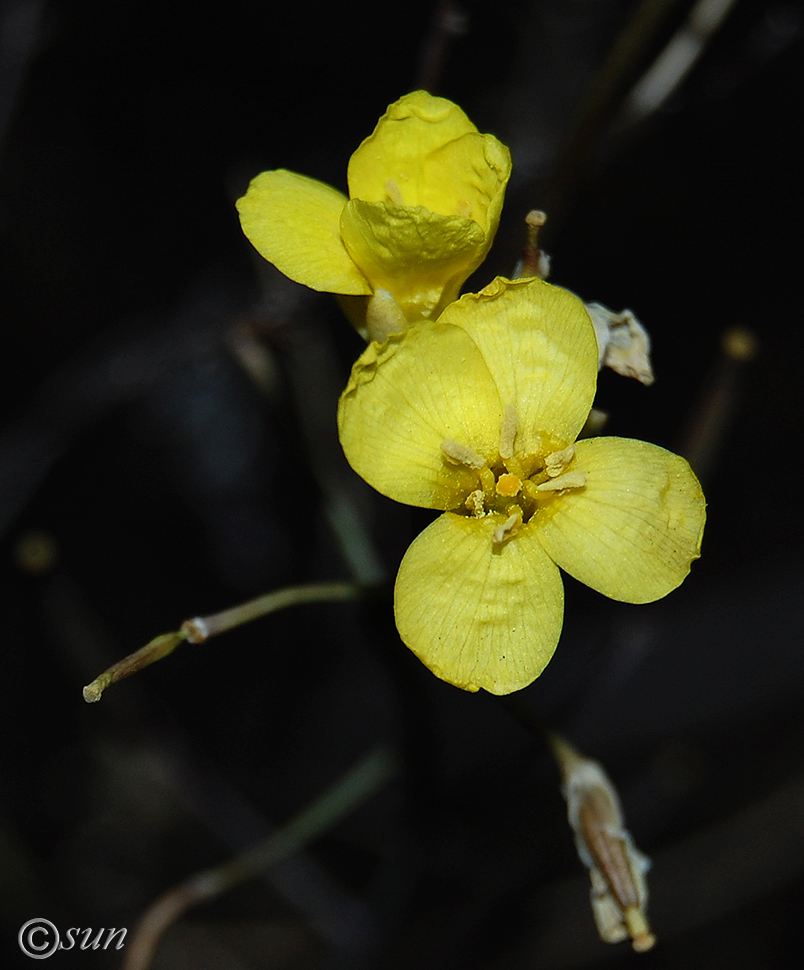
x=477, y=415
x=426, y=190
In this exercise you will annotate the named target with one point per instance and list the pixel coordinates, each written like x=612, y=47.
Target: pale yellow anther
x=463, y=209
x=508, y=427
x=570, y=480
x=462, y=454
x=508, y=485
x=556, y=463
x=393, y=192
x=502, y=532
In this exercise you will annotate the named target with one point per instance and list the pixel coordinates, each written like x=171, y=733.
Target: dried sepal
x=623, y=343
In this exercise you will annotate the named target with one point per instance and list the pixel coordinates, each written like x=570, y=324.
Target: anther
x=502, y=532
x=393, y=192
x=463, y=209
x=556, y=463
x=508, y=427
x=475, y=503
x=570, y=480
x=462, y=454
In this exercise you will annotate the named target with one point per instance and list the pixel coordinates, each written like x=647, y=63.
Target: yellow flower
x=426, y=190
x=477, y=415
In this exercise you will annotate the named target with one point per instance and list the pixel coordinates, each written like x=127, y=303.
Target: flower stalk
x=201, y=628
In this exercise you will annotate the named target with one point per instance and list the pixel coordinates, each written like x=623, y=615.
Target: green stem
x=201, y=628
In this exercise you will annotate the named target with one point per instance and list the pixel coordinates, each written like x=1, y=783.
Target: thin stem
x=201, y=628
x=449, y=21
x=713, y=413
x=338, y=801
x=156, y=649
x=676, y=60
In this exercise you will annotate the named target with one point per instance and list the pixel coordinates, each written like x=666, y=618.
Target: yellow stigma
x=508, y=485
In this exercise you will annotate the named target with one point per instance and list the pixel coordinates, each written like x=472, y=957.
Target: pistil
x=508, y=485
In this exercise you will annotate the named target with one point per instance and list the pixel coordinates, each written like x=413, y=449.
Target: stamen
x=556, y=463
x=486, y=479
x=508, y=427
x=530, y=489
x=570, y=480
x=475, y=504
x=508, y=485
x=462, y=454
x=393, y=192
x=502, y=532
x=514, y=467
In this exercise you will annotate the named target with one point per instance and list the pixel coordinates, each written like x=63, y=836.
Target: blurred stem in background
x=343, y=797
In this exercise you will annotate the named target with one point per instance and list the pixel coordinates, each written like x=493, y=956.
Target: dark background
x=146, y=475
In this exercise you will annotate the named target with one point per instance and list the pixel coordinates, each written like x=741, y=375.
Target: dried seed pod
x=619, y=891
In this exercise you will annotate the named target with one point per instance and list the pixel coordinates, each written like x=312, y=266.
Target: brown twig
x=449, y=22
x=342, y=798
x=702, y=439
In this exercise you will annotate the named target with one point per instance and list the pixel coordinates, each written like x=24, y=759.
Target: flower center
x=513, y=486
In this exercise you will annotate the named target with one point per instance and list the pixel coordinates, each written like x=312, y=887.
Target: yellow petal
x=419, y=257
x=294, y=223
x=479, y=615
x=540, y=347
x=404, y=399
x=632, y=532
x=467, y=176
x=412, y=128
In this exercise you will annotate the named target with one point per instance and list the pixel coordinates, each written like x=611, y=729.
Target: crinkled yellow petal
x=467, y=177
x=294, y=223
x=421, y=258
x=632, y=532
x=405, y=397
x=540, y=347
x=411, y=129
x=479, y=615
